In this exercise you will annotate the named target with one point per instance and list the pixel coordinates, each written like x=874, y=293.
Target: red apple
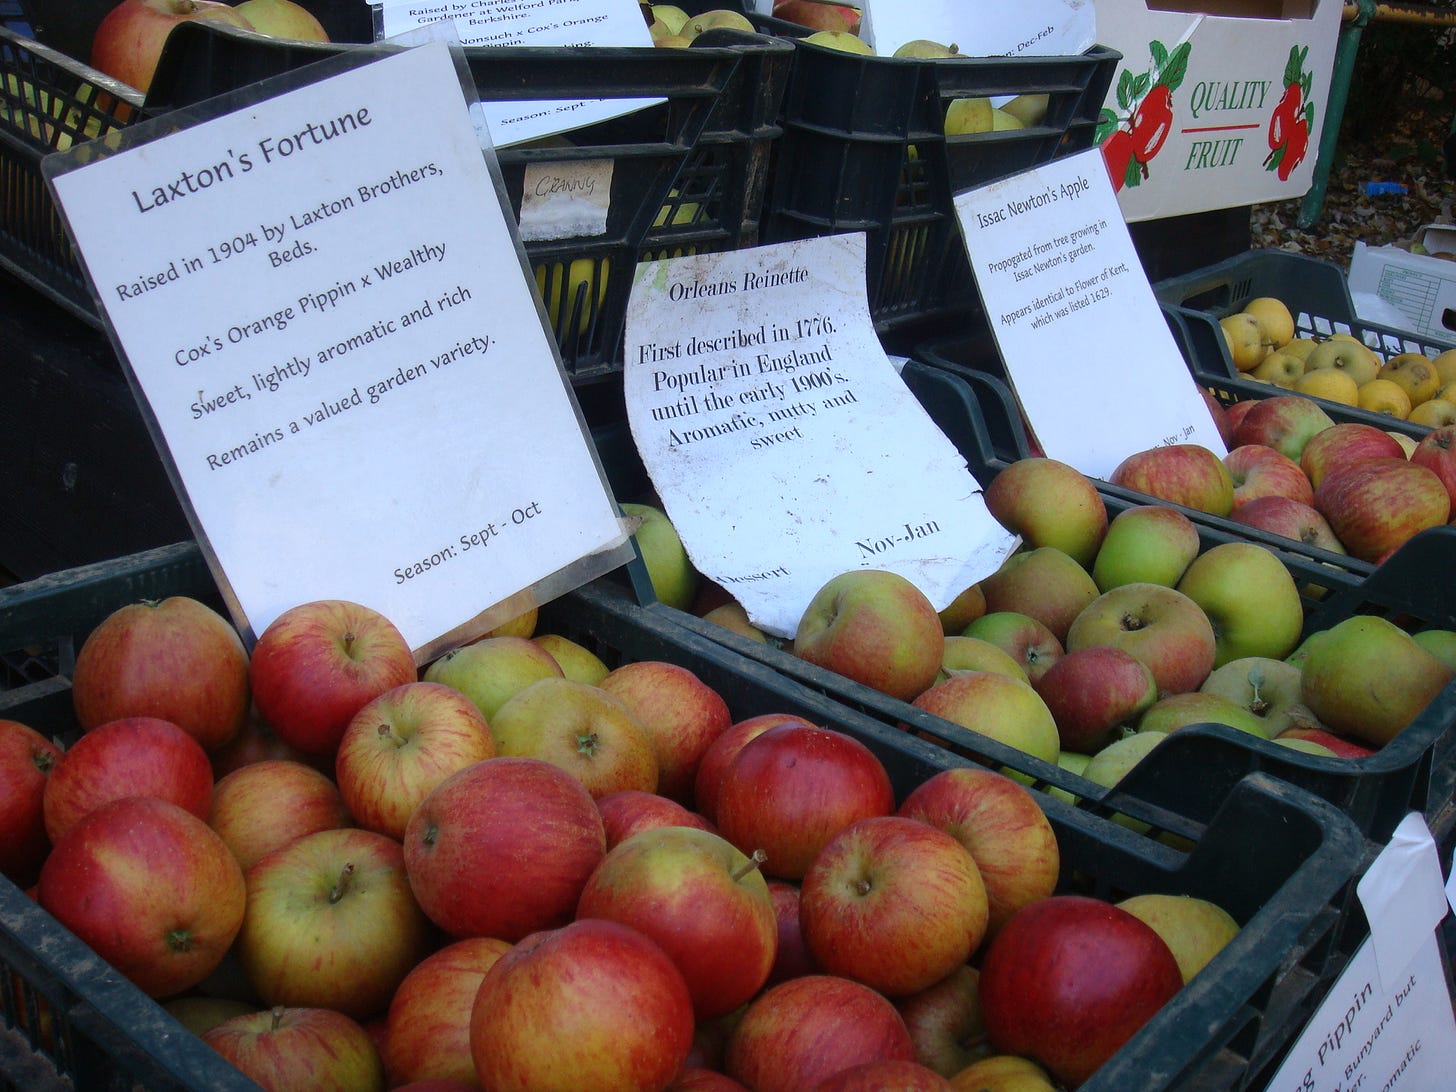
x=791, y=956
x=1162, y=627
x=874, y=627
x=1000, y=822
x=177, y=659
x=1045, y=584
x=593, y=1004
x=151, y=889
x=133, y=756
x=1342, y=747
x=817, y=15
x=427, y=1029
x=491, y=671
x=1436, y=451
x=900, y=1075
x=314, y=1048
x=265, y=805
x=587, y=731
x=319, y=663
x=1233, y=414
x=1093, y=691
x=129, y=39
x=1049, y=503
x=503, y=848
x=1290, y=518
x=790, y=790
x=402, y=744
x=1285, y=422
x=944, y=1021
x=1069, y=980
x=997, y=707
x=1187, y=474
x=1345, y=444
x=701, y=900
x=1029, y=642
x=694, y=1079
x=681, y=713
x=805, y=1030
x=26, y=760
x=1376, y=506
x=1220, y=414
x=632, y=811
x=332, y=923
x=1259, y=471
x=894, y=903
x=722, y=751
x=257, y=742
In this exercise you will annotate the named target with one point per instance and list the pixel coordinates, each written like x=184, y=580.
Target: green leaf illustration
x=1176, y=68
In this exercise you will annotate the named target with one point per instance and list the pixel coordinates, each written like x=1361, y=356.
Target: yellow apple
x=717, y=19
x=1273, y=318
x=1435, y=412
x=1445, y=365
x=1345, y=354
x=1030, y=109
x=841, y=40
x=925, y=48
x=1280, y=368
x=969, y=116
x=283, y=19
x=1245, y=339
x=1195, y=929
x=578, y=280
x=671, y=15
x=1414, y=373
x=1335, y=384
x=1384, y=396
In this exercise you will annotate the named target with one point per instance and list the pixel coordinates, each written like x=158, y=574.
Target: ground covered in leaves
x=1404, y=149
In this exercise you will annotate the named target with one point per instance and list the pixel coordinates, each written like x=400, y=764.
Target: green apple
x=1194, y=929
x=674, y=580
x=575, y=660
x=1002, y=120
x=1145, y=544
x=1440, y=643
x=1306, y=746
x=1111, y=764
x=1250, y=598
x=672, y=16
x=1074, y=762
x=1368, y=678
x=973, y=115
x=491, y=671
x=1175, y=711
x=282, y=19
x=1030, y=109
x=1267, y=688
x=973, y=654
x=998, y=707
x=841, y=40
x=717, y=19
x=1029, y=642
x=926, y=49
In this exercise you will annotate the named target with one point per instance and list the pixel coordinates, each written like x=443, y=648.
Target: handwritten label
x=566, y=200
x=341, y=363
x=532, y=23
x=1383, y=1027
x=784, y=445
x=1085, y=344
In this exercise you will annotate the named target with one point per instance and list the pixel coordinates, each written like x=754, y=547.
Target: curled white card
x=784, y=445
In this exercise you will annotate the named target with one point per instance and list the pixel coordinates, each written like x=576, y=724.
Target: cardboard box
x=1421, y=288
x=1193, y=120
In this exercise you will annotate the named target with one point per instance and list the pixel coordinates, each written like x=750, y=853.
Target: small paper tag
x=566, y=200
x=1403, y=896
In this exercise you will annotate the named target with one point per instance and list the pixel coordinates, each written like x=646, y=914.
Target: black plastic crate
x=1316, y=292
x=1292, y=898
x=864, y=149
x=689, y=174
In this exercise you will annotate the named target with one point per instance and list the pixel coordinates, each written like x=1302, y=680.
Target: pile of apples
x=130, y=37
x=1341, y=368
x=1098, y=637
x=521, y=869
x=1347, y=487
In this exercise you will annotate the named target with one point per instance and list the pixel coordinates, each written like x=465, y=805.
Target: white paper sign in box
x=1217, y=103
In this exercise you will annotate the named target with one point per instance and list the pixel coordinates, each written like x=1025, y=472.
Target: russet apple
x=875, y=627
x=1367, y=678
x=1186, y=474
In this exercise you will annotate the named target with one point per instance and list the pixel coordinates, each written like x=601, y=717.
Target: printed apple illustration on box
x=1292, y=119
x=1135, y=132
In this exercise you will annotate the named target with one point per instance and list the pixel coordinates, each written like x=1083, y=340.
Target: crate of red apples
x=589, y=850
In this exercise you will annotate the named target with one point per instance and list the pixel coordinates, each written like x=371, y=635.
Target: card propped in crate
x=351, y=383
x=1086, y=346
x=784, y=446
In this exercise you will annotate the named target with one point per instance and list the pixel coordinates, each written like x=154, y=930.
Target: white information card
x=1386, y=1023
x=325, y=311
x=535, y=23
x=784, y=445
x=1086, y=346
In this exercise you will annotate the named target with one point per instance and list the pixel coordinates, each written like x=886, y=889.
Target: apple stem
x=339, y=889
x=754, y=862
x=386, y=731
x=277, y=1013
x=349, y=638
